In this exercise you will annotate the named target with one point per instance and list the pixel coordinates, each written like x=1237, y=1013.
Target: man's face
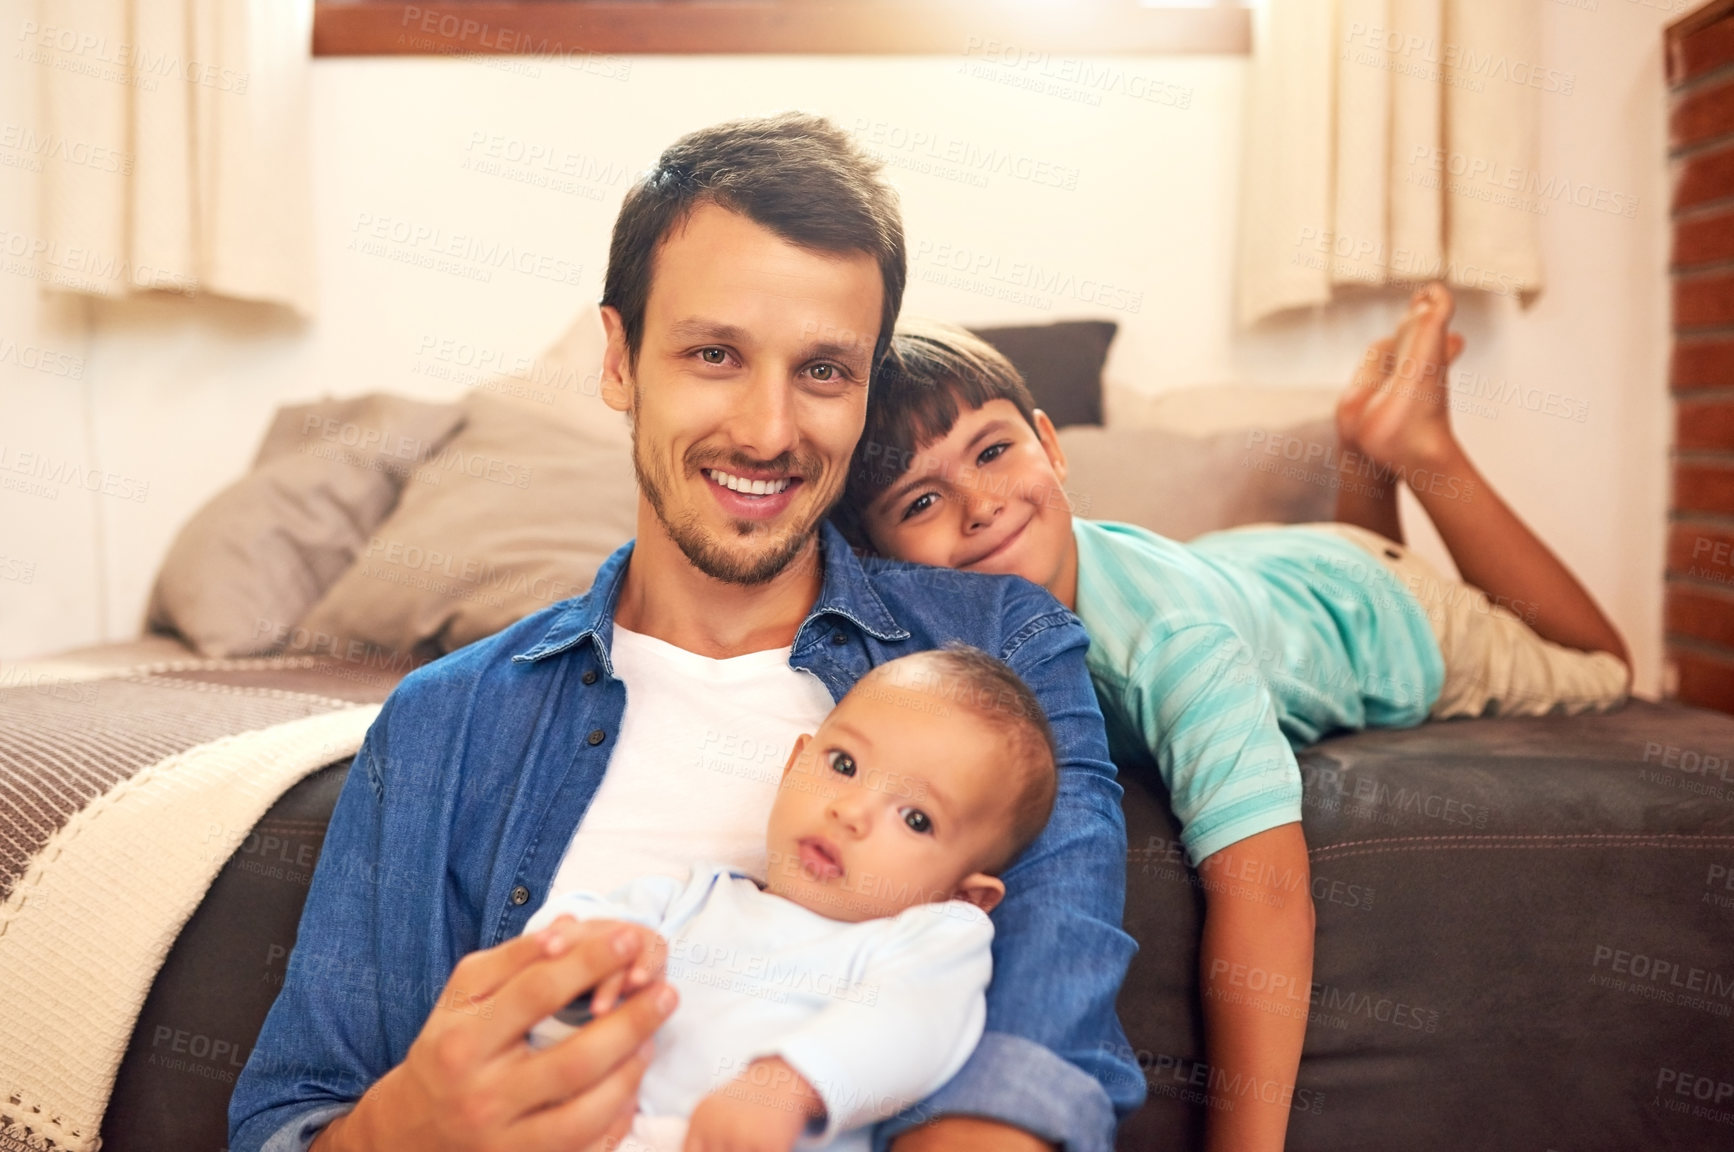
x=893, y=802
x=749, y=390
x=986, y=497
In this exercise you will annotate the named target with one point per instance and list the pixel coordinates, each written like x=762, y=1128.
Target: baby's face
x=892, y=803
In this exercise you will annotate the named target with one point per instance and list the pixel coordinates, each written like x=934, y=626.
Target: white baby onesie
x=875, y=1015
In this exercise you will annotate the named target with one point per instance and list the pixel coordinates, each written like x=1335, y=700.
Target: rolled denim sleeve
x=1053, y=1060
x=323, y=1043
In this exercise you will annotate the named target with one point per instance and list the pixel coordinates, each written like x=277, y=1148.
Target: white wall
x=1127, y=192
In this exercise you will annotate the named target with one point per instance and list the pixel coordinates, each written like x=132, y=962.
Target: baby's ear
x=801, y=743
x=980, y=889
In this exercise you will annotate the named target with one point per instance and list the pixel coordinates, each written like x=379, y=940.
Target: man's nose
x=764, y=423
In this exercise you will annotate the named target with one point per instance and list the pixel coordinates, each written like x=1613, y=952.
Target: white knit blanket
x=92, y=914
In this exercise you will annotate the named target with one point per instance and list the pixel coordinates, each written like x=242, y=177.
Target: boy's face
x=987, y=497
x=751, y=372
x=892, y=803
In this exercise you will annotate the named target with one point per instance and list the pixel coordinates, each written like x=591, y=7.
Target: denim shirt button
x=596, y=736
x=590, y=676
x=520, y=896
x=839, y=638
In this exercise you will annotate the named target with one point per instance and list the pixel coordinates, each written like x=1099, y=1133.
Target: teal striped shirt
x=1216, y=659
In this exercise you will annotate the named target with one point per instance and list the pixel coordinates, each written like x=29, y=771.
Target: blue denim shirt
x=470, y=783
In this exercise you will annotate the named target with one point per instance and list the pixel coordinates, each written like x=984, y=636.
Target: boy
x=1214, y=660
x=851, y=982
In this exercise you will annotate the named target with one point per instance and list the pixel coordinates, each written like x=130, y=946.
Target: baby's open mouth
x=820, y=859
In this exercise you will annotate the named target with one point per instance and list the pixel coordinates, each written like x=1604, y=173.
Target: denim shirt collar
x=845, y=591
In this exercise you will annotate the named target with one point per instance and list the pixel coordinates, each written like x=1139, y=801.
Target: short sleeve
x=1200, y=703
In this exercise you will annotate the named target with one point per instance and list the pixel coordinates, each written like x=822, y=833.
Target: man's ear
x=616, y=362
x=980, y=889
x=801, y=743
x=1051, y=444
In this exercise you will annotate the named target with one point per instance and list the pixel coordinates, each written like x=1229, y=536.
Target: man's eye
x=917, y=820
x=843, y=762
x=916, y=505
x=713, y=355
x=824, y=373
x=992, y=451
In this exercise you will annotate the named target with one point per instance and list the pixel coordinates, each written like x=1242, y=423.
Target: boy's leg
x=1403, y=424
x=1494, y=663
x=1371, y=504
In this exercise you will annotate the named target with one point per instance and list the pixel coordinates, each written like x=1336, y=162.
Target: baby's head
x=956, y=466
x=923, y=784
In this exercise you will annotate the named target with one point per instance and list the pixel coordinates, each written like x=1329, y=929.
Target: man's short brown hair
x=798, y=175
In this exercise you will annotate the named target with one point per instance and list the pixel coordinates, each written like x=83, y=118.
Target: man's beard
x=689, y=535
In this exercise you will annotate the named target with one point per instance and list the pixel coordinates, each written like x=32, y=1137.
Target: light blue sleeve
x=897, y=1034
x=646, y=900
x=1201, y=703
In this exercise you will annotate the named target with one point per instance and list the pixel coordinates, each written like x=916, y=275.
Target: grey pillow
x=245, y=569
x=1183, y=486
x=1061, y=362
x=519, y=512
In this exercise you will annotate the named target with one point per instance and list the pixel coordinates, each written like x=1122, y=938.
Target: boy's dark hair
x=798, y=175
x=933, y=372
x=966, y=676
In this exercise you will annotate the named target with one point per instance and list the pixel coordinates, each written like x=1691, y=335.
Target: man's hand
x=646, y=970
x=470, y=1081
x=759, y=1111
x=969, y=1134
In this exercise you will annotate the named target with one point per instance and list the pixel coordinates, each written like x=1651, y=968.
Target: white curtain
x=1392, y=142
x=175, y=147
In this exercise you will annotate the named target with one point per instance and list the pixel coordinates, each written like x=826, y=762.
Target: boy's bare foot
x=1397, y=408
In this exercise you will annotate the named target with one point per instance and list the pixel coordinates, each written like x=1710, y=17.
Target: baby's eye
x=916, y=506
x=991, y=451
x=917, y=820
x=843, y=762
x=713, y=355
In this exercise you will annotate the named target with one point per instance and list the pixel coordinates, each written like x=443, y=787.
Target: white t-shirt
x=696, y=766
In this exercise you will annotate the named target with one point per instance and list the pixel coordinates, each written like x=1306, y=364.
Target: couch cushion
x=249, y=564
x=1523, y=938
x=514, y=513
x=1181, y=486
x=1061, y=362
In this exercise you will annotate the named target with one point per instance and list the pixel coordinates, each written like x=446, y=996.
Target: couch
x=1526, y=926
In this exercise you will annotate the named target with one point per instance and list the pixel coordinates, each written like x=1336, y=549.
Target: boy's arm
x=1255, y=967
x=1199, y=699
x=1053, y=1062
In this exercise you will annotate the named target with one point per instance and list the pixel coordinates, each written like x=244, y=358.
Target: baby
x=850, y=983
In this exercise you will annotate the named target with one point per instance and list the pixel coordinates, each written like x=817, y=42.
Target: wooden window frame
x=825, y=27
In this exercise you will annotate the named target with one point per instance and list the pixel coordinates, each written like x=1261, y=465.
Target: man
x=753, y=282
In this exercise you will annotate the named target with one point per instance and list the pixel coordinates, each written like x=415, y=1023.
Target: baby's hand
x=754, y=1113
x=646, y=970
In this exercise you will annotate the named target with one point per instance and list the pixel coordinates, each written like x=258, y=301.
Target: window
x=867, y=27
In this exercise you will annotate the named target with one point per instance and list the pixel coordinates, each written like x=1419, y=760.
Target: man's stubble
x=688, y=531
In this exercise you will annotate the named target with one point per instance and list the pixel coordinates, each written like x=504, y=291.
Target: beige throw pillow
x=514, y=513
x=1182, y=486
x=249, y=564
